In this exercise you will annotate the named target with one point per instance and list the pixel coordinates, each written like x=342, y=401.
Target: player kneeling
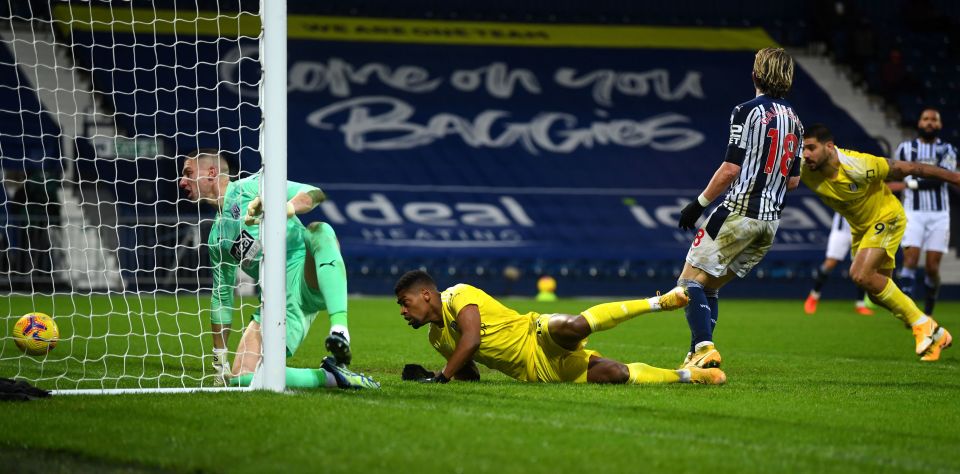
x=468, y=325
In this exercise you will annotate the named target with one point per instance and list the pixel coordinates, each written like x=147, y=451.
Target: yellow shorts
x=552, y=363
x=884, y=235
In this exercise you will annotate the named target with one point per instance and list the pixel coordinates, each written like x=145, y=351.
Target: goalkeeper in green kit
x=316, y=277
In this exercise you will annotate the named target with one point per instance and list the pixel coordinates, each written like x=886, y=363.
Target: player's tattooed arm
x=901, y=169
x=301, y=203
x=304, y=202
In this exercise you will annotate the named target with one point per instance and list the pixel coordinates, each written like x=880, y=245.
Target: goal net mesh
x=99, y=102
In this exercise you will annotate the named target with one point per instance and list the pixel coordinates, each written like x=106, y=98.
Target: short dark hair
x=818, y=131
x=212, y=153
x=413, y=279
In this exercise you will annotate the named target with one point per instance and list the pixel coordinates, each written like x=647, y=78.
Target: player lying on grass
x=316, y=278
x=467, y=325
x=852, y=183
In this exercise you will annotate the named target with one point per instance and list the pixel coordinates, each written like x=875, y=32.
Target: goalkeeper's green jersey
x=233, y=243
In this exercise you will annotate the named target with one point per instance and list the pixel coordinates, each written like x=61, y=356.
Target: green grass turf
x=833, y=392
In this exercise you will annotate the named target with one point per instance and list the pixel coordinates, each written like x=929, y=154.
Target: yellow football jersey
x=858, y=193
x=507, y=340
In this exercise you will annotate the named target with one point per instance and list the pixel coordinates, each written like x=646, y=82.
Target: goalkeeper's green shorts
x=303, y=303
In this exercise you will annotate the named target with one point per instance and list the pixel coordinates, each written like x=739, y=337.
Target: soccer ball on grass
x=36, y=333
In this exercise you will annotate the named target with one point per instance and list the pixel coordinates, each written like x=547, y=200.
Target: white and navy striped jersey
x=931, y=194
x=766, y=140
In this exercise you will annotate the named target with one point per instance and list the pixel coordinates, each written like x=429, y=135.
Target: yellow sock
x=643, y=373
x=607, y=315
x=900, y=304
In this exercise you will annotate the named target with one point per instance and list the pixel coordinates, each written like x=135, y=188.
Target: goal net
x=99, y=103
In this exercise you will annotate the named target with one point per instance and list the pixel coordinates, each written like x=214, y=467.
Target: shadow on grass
x=34, y=460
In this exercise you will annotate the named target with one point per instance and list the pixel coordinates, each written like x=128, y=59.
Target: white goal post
x=100, y=101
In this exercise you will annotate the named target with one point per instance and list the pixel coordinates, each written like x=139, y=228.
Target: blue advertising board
x=462, y=139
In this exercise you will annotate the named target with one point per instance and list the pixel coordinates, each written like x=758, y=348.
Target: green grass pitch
x=833, y=392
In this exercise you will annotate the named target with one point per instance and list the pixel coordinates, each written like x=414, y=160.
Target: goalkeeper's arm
x=221, y=297
x=303, y=199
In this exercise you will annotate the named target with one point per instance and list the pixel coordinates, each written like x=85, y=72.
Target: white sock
x=815, y=294
x=684, y=375
x=220, y=356
x=341, y=329
x=701, y=344
x=654, y=303
x=331, y=381
x=921, y=320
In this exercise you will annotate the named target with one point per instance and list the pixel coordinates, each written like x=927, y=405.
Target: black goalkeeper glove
x=439, y=378
x=415, y=372
x=20, y=391
x=689, y=215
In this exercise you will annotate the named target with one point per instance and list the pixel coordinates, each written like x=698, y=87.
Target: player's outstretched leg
x=316, y=378
x=608, y=315
x=610, y=371
x=569, y=331
x=332, y=282
x=930, y=337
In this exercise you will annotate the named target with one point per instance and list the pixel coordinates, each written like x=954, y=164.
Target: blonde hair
x=773, y=71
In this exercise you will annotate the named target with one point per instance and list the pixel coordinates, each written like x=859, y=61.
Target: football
x=36, y=333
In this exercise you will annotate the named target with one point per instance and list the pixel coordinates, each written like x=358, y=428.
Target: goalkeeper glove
x=19, y=390
x=255, y=209
x=415, y=372
x=439, y=378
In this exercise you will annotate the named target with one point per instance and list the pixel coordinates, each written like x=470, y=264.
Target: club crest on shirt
x=235, y=211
